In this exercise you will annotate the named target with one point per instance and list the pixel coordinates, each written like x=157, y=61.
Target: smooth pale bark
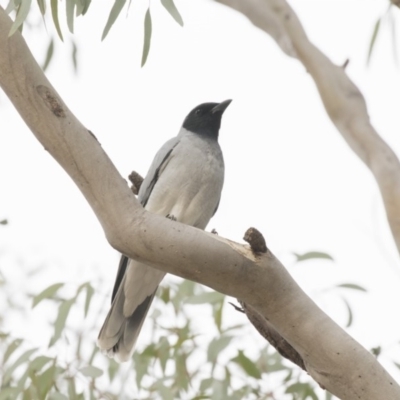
x=330, y=355
x=343, y=101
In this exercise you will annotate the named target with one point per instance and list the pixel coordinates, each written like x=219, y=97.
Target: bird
x=184, y=183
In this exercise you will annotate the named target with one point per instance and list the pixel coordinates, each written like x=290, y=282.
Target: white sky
x=288, y=171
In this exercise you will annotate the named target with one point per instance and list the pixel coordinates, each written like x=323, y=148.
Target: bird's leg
x=171, y=217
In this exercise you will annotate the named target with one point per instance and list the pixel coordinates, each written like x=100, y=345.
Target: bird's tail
x=119, y=333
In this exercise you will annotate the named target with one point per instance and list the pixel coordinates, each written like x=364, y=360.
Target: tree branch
x=331, y=356
x=343, y=101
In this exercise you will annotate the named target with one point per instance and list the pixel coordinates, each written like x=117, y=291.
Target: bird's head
x=205, y=119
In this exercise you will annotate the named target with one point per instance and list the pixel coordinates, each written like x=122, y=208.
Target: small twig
x=346, y=63
x=237, y=308
x=136, y=181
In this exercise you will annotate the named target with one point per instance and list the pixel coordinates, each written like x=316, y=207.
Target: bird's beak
x=221, y=107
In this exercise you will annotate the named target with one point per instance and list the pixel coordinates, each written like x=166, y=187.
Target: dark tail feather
x=119, y=333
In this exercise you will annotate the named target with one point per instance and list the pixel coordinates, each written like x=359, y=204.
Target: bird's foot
x=171, y=217
x=214, y=232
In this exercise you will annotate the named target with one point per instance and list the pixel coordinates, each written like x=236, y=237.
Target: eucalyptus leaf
x=349, y=313
x=248, y=365
x=24, y=357
x=46, y=293
x=38, y=363
x=70, y=11
x=173, y=11
x=54, y=14
x=89, y=295
x=11, y=348
x=42, y=6
x=206, y=297
x=312, y=255
x=74, y=55
x=373, y=39
x=22, y=13
x=49, y=55
x=147, y=36
x=216, y=346
x=62, y=316
x=352, y=286
x=46, y=380
x=57, y=396
x=91, y=371
x=114, y=13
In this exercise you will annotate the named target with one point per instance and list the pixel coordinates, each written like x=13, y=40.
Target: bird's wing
x=123, y=263
x=157, y=166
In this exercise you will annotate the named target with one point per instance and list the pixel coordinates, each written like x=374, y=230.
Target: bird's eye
x=198, y=111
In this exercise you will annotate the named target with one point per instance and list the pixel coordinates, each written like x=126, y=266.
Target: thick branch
x=257, y=279
x=343, y=101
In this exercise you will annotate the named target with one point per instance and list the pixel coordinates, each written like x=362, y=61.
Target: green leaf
x=59, y=324
x=303, y=389
x=328, y=396
x=70, y=9
x=311, y=255
x=163, y=351
x=86, y=4
x=147, y=36
x=206, y=297
x=42, y=6
x=46, y=380
x=79, y=8
x=349, y=313
x=376, y=351
x=217, y=314
x=46, y=293
x=181, y=371
x=9, y=393
x=206, y=384
x=165, y=294
x=352, y=286
x=173, y=11
x=11, y=348
x=24, y=357
x=141, y=364
x=270, y=362
x=11, y=6
x=89, y=295
x=373, y=39
x=22, y=13
x=38, y=363
x=49, y=54
x=91, y=371
x=113, y=368
x=248, y=366
x=71, y=388
x=74, y=56
x=114, y=13
x=216, y=346
x=57, y=396
x=219, y=390
x=54, y=13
